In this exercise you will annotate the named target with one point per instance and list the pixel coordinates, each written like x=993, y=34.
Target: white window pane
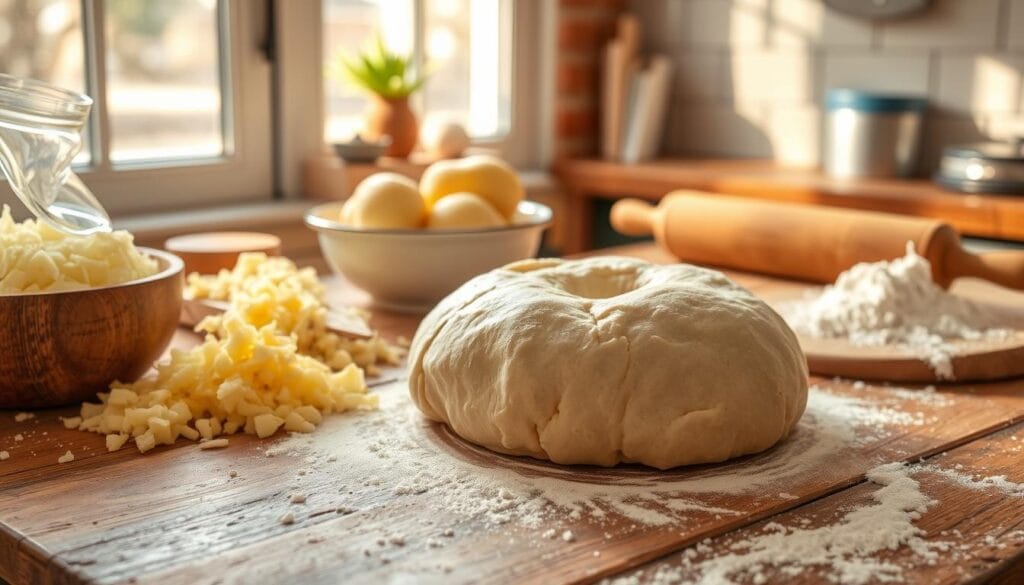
x=42, y=39
x=467, y=46
x=349, y=25
x=163, y=80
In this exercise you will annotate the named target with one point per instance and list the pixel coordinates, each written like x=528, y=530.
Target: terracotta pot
x=392, y=117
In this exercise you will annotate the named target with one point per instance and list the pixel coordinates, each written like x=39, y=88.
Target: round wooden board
x=973, y=361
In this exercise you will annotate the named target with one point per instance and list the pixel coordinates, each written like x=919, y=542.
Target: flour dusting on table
x=457, y=487
x=845, y=550
x=468, y=482
x=896, y=303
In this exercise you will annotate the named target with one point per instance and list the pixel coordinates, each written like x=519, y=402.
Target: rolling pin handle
x=633, y=217
x=1004, y=267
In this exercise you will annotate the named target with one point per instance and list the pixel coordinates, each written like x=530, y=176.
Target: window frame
x=531, y=37
x=245, y=172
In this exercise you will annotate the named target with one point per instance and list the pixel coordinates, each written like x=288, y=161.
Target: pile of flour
x=895, y=303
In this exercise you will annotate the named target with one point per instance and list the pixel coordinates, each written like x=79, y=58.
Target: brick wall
x=584, y=26
x=751, y=74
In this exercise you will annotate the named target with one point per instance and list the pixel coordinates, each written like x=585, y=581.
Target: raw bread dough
x=609, y=360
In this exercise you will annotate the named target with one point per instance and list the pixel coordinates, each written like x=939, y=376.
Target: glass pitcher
x=40, y=134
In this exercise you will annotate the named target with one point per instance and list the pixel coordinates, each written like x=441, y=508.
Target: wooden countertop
x=990, y=216
x=176, y=515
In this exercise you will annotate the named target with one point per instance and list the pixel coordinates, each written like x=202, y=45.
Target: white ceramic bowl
x=411, y=270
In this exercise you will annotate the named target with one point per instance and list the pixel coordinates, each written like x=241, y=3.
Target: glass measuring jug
x=40, y=134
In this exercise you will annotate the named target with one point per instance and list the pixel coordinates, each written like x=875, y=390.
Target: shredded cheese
x=250, y=380
x=35, y=257
x=67, y=457
x=266, y=290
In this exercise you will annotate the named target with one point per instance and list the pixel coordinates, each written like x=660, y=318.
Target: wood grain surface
x=178, y=515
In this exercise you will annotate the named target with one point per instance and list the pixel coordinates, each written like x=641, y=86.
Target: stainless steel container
x=871, y=135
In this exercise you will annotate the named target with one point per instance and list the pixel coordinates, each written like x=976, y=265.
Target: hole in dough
x=596, y=285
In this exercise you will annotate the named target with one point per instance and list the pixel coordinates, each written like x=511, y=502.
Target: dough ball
x=384, y=201
x=487, y=176
x=609, y=360
x=463, y=210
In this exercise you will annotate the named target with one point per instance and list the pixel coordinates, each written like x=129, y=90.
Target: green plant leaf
x=379, y=71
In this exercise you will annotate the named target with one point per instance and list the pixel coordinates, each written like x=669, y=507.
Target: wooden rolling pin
x=803, y=241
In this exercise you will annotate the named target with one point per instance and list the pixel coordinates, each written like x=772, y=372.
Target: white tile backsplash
x=947, y=24
x=878, y=71
x=1015, y=27
x=983, y=82
x=784, y=76
x=699, y=75
x=717, y=130
x=751, y=74
x=795, y=135
x=727, y=23
x=807, y=23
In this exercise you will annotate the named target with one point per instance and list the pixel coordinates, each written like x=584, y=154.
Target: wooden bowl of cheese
x=61, y=347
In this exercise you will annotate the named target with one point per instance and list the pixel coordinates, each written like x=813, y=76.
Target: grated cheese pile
x=35, y=257
x=895, y=303
x=272, y=290
x=268, y=363
x=248, y=379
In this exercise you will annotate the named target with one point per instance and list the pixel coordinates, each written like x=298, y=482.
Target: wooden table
x=179, y=515
x=989, y=216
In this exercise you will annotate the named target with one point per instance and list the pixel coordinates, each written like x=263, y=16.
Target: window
x=189, y=111
x=181, y=91
x=466, y=46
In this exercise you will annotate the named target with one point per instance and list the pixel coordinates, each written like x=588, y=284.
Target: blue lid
x=866, y=101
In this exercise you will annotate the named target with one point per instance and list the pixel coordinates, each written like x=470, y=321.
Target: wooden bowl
x=63, y=347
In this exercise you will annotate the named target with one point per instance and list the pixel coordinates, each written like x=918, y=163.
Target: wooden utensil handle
x=633, y=217
x=1003, y=267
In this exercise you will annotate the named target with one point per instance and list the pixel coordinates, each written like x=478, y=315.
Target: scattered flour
x=896, y=303
x=395, y=450
x=843, y=550
x=997, y=482
x=413, y=458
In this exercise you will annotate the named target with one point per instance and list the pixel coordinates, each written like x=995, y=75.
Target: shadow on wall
x=751, y=75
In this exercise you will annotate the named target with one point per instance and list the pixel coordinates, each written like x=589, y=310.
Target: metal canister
x=870, y=134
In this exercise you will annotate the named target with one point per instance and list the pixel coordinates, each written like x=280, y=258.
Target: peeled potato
x=463, y=210
x=384, y=201
x=486, y=176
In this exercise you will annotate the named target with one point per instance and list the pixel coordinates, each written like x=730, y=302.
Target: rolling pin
x=803, y=241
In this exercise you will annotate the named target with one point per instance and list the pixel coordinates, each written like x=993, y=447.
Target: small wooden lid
x=209, y=252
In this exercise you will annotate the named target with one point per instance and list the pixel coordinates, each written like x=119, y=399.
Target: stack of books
x=634, y=97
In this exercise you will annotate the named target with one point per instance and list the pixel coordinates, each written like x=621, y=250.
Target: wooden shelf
x=990, y=216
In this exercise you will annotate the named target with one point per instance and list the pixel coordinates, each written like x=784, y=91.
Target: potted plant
x=390, y=80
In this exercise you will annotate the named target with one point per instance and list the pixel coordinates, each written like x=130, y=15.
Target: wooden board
x=972, y=361
x=177, y=515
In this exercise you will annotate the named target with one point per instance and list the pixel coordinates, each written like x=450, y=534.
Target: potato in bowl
x=412, y=269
